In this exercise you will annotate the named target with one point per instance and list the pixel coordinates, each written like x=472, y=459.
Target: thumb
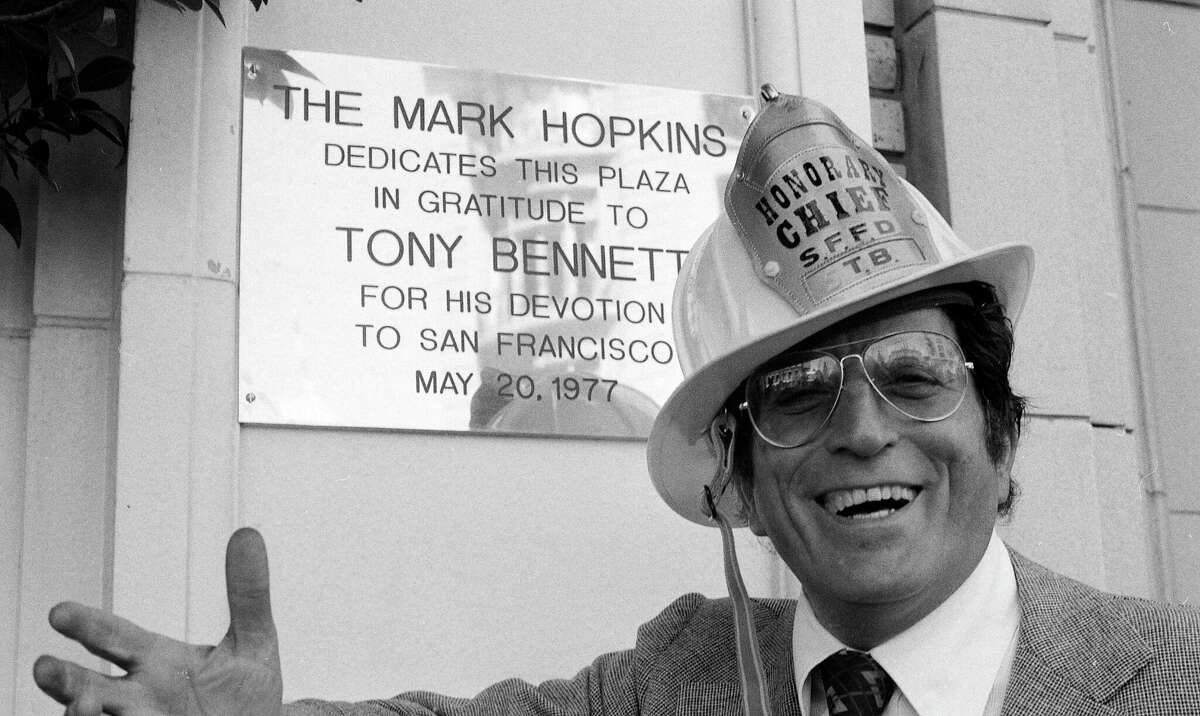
x=247, y=585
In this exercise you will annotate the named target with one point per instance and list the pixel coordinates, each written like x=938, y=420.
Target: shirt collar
x=948, y=661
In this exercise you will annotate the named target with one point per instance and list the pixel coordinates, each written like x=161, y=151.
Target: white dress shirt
x=954, y=662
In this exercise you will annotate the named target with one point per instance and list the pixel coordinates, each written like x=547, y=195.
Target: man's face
x=912, y=559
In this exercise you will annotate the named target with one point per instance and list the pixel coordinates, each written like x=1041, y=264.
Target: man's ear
x=1004, y=469
x=743, y=478
x=745, y=492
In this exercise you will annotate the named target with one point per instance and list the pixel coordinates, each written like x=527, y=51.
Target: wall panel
x=1009, y=133
x=448, y=562
x=16, y=317
x=67, y=416
x=1055, y=520
x=475, y=557
x=1168, y=247
x=1096, y=256
x=1154, y=45
x=695, y=46
x=1127, y=520
x=1185, y=547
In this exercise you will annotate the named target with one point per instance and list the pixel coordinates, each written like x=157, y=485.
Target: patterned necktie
x=854, y=684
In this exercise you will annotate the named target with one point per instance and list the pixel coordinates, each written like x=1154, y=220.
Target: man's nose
x=862, y=423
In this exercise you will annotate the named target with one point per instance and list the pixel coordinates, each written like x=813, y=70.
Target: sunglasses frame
x=783, y=362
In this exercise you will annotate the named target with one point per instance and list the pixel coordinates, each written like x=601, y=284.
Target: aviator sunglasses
x=922, y=374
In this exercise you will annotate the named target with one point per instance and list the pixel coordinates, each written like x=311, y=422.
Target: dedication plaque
x=431, y=248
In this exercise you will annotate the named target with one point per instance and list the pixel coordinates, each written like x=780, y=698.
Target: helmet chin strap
x=722, y=432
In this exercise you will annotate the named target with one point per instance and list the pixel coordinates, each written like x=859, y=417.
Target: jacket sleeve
x=613, y=684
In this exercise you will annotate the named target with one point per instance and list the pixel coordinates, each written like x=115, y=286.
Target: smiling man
x=846, y=395
x=866, y=461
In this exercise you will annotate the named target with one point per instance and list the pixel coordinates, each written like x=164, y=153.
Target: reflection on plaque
x=425, y=247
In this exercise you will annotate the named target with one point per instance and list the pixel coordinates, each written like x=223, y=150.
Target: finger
x=80, y=690
x=86, y=705
x=247, y=584
x=106, y=635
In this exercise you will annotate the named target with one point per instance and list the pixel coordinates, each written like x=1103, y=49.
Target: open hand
x=240, y=675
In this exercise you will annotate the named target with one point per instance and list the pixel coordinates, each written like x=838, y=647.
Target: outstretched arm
x=240, y=675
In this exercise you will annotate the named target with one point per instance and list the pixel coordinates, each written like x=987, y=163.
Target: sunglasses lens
x=789, y=404
x=921, y=374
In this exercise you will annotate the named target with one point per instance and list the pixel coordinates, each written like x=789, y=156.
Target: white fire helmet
x=817, y=227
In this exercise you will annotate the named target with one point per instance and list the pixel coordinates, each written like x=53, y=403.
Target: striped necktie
x=855, y=685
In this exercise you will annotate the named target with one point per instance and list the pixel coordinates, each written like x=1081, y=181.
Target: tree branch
x=36, y=15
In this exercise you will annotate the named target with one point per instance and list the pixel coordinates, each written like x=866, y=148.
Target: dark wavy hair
x=986, y=336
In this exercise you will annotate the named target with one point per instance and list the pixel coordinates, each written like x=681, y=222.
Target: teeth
x=874, y=515
x=839, y=500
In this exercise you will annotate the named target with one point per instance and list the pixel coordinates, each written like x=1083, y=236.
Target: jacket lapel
x=778, y=663
x=1076, y=647
x=773, y=620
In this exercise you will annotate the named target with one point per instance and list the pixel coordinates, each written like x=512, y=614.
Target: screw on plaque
x=769, y=93
x=252, y=71
x=251, y=397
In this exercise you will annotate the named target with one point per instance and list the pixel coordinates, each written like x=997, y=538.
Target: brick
x=887, y=125
x=881, y=62
x=879, y=12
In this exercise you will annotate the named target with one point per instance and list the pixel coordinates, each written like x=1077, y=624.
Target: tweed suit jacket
x=1080, y=651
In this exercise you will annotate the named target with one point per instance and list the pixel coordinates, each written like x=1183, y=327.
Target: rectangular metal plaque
x=424, y=247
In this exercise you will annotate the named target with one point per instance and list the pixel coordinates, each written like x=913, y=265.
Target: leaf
x=106, y=31
x=80, y=104
x=91, y=17
x=66, y=88
x=58, y=116
x=104, y=73
x=66, y=52
x=100, y=119
x=216, y=8
x=76, y=17
x=289, y=63
x=10, y=216
x=62, y=67
x=106, y=124
x=38, y=152
x=11, y=155
x=27, y=119
x=271, y=65
x=38, y=155
x=173, y=4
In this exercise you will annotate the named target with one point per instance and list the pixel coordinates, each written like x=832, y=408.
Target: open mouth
x=868, y=503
